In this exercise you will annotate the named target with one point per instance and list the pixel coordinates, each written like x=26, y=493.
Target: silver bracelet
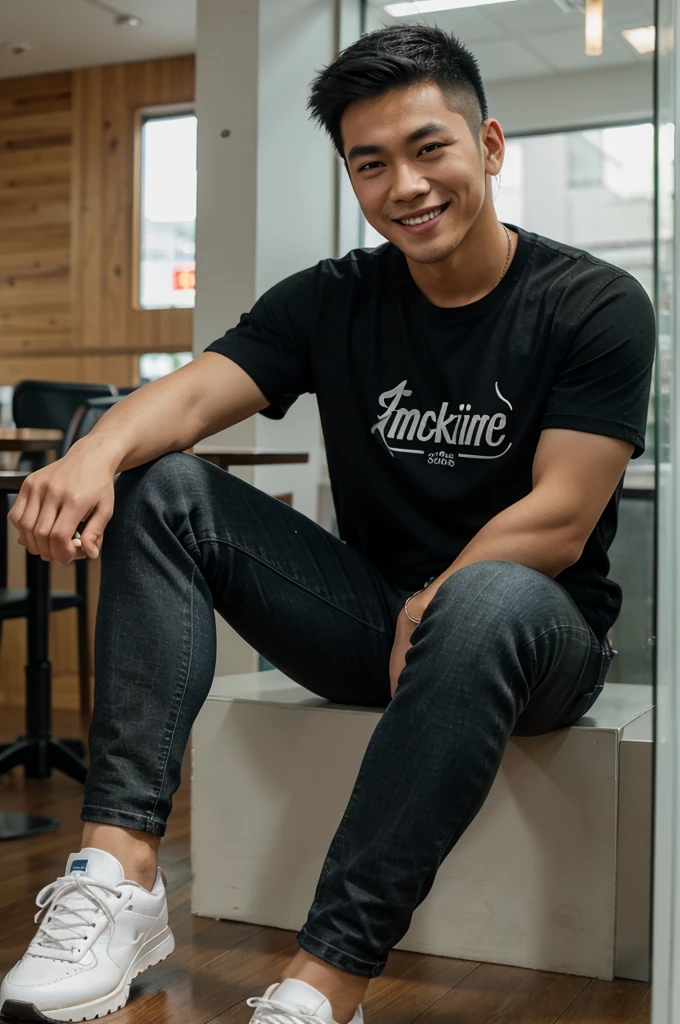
x=416, y=622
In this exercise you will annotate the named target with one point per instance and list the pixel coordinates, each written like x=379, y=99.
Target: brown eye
x=431, y=147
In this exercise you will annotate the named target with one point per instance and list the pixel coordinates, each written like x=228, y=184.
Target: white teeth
x=422, y=220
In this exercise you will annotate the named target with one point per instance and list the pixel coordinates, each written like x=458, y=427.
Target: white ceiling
x=514, y=40
x=67, y=34
x=534, y=37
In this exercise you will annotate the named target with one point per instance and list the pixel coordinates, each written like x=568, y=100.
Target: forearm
x=158, y=418
x=529, y=532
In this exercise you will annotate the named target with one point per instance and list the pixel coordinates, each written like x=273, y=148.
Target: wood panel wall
x=67, y=196
x=104, y=171
x=36, y=315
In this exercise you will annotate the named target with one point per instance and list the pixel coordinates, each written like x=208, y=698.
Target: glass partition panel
x=601, y=199
x=583, y=129
x=666, y=988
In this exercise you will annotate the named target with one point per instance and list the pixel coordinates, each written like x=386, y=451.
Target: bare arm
x=167, y=415
x=574, y=476
x=174, y=412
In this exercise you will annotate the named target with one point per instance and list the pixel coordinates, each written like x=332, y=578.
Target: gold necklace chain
x=507, y=261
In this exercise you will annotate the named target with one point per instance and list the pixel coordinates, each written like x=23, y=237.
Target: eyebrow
x=431, y=128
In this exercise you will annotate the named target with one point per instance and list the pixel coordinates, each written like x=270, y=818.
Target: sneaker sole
x=163, y=945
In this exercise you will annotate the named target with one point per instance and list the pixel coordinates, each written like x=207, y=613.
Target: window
x=153, y=365
x=167, y=212
x=586, y=159
x=592, y=189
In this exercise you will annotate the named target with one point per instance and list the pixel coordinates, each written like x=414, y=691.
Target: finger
x=20, y=502
x=80, y=554
x=42, y=530
x=63, y=546
x=15, y=514
x=91, y=536
x=27, y=523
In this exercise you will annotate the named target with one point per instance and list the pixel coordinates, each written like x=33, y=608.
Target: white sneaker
x=295, y=1002
x=97, y=932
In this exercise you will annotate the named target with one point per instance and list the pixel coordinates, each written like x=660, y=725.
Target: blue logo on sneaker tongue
x=78, y=865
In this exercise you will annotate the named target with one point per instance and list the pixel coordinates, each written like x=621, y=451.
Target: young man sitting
x=481, y=391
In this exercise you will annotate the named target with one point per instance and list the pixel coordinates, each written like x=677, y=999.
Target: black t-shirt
x=431, y=416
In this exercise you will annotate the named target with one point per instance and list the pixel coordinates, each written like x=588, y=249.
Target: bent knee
x=173, y=467
x=495, y=571
x=155, y=487
x=498, y=587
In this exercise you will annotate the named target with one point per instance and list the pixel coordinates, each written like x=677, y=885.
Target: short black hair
x=394, y=58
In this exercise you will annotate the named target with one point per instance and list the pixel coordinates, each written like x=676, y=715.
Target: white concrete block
x=533, y=882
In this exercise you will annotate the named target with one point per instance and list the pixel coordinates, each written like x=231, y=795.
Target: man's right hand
x=55, y=501
x=168, y=415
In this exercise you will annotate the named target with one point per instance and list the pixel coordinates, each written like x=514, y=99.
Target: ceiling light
x=129, y=20
x=594, y=27
x=641, y=39
x=402, y=10
x=16, y=49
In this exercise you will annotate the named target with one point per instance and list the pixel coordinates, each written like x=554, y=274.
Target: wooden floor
x=218, y=964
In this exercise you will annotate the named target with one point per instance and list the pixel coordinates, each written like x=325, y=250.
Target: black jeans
x=501, y=649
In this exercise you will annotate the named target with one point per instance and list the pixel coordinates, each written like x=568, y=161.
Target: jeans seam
x=551, y=629
x=97, y=808
x=290, y=579
x=116, y=810
x=350, y=956
x=182, y=694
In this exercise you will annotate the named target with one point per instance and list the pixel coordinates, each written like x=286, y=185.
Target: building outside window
x=153, y=365
x=167, y=212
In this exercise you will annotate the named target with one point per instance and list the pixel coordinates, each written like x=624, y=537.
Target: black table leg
x=38, y=750
x=17, y=826
x=38, y=668
x=4, y=510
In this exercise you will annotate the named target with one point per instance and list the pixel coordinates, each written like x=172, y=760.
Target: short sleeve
x=604, y=382
x=272, y=342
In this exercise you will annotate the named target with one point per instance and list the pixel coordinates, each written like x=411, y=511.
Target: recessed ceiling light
x=594, y=27
x=641, y=39
x=17, y=49
x=129, y=20
x=402, y=10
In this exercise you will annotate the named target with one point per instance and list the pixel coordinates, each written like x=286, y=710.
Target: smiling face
x=417, y=169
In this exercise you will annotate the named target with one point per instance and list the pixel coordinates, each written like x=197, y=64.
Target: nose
x=408, y=183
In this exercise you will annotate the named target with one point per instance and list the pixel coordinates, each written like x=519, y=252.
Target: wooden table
x=29, y=439
x=226, y=457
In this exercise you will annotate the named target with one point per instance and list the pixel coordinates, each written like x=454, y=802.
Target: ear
x=493, y=146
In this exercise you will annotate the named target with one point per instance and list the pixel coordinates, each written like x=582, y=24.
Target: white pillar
x=266, y=201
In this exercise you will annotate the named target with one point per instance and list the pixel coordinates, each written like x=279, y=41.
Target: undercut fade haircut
x=397, y=57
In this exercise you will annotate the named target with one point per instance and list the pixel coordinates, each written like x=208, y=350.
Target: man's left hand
x=404, y=631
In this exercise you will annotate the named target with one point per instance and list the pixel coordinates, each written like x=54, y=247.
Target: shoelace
x=52, y=913
x=271, y=1012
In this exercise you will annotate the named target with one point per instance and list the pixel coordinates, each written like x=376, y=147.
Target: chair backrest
x=85, y=417
x=50, y=405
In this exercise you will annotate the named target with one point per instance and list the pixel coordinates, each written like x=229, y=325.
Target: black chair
x=50, y=405
x=14, y=602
